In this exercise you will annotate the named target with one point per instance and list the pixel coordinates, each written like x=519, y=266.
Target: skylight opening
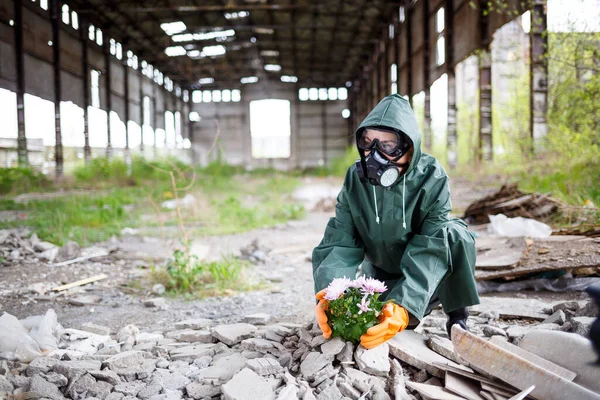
x=264, y=31
x=175, y=51
x=332, y=93
x=269, y=53
x=342, y=93
x=206, y=81
x=303, y=94
x=249, y=79
x=289, y=78
x=190, y=37
x=173, y=28
x=236, y=15
x=213, y=51
x=194, y=116
x=313, y=94
x=272, y=67
x=226, y=95
x=197, y=96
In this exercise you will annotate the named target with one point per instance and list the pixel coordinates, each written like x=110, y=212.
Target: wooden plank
x=462, y=386
x=485, y=356
x=80, y=282
x=551, y=255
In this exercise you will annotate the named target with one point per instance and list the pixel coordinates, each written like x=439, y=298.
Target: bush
x=21, y=180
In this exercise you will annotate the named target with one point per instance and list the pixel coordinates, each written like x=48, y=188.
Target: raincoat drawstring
x=403, y=196
x=375, y=198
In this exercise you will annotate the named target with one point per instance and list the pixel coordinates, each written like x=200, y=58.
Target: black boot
x=459, y=317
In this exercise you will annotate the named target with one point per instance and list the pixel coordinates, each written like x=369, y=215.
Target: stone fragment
x=251, y=354
x=156, y=302
x=85, y=300
x=202, y=362
x=515, y=370
x=199, y=336
x=247, y=385
x=169, y=380
x=94, y=328
x=333, y=347
x=490, y=330
x=557, y=317
x=443, y=347
x=289, y=392
x=582, y=325
x=233, y=333
x=107, y=376
x=566, y=305
x=420, y=376
x=127, y=359
x=313, y=363
x=379, y=392
x=263, y=346
x=190, y=353
x=41, y=365
x=347, y=353
x=264, y=366
x=145, y=370
x=45, y=389
x=257, y=319
x=410, y=347
x=198, y=390
x=305, y=337
x=115, y=396
x=433, y=392
x=5, y=385
x=198, y=323
x=130, y=388
x=222, y=369
x=569, y=350
x=149, y=391
x=355, y=376
x=19, y=381
x=331, y=392
x=318, y=340
x=516, y=332
x=56, y=379
x=374, y=361
x=398, y=385
x=74, y=369
x=149, y=337
x=323, y=375
x=273, y=336
x=347, y=390
x=68, y=252
x=548, y=327
x=589, y=309
x=100, y=390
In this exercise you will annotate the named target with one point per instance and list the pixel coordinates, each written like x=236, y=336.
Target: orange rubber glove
x=393, y=319
x=321, y=316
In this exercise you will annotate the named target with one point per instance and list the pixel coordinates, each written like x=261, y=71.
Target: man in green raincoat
x=392, y=221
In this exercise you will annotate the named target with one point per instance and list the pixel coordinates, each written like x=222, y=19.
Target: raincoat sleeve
x=425, y=260
x=341, y=250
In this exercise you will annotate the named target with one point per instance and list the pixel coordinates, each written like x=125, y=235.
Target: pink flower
x=364, y=305
x=359, y=282
x=372, y=286
x=336, y=288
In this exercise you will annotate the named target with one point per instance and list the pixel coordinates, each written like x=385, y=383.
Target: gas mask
x=375, y=167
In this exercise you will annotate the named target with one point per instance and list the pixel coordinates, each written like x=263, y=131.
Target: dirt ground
x=119, y=300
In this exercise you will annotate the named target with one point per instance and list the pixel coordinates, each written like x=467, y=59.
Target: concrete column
x=85, y=68
x=324, y=129
x=538, y=74
x=55, y=18
x=485, y=105
x=108, y=87
x=409, y=71
x=20, y=69
x=141, y=77
x=126, y=92
x=452, y=136
x=426, y=77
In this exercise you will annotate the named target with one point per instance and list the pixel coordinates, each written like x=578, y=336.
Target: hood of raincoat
x=394, y=112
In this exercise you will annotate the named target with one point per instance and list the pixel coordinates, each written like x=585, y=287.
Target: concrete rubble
x=197, y=359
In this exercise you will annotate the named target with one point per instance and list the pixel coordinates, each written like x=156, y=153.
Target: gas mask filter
x=379, y=170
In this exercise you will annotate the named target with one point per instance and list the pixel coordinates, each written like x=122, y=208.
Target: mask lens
x=387, y=144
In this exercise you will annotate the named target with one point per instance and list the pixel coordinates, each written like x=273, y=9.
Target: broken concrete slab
x=444, y=347
x=410, y=347
x=515, y=370
x=462, y=386
x=198, y=390
x=94, y=328
x=197, y=336
x=74, y=369
x=197, y=323
x=496, y=252
x=257, y=319
x=222, y=369
x=45, y=389
x=233, y=333
x=127, y=359
x=313, y=363
x=511, y=308
x=433, y=392
x=558, y=317
x=169, y=380
x=542, y=362
x=247, y=385
x=190, y=353
x=264, y=366
x=333, y=347
x=569, y=350
x=373, y=361
x=582, y=325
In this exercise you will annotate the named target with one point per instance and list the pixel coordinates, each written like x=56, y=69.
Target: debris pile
x=19, y=245
x=252, y=360
x=511, y=202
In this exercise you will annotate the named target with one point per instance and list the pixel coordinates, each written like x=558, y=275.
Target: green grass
x=229, y=200
x=189, y=277
x=22, y=180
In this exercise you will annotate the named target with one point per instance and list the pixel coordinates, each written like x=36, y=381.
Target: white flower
x=336, y=288
x=372, y=286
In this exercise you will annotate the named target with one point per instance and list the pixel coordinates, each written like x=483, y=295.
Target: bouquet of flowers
x=353, y=306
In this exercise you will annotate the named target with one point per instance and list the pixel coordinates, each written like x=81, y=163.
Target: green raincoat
x=428, y=260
